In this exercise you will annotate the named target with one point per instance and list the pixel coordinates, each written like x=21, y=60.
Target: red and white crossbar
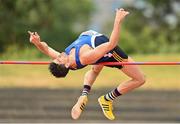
x=24, y=62
x=104, y=63
x=140, y=63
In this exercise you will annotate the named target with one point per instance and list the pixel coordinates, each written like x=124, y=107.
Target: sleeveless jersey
x=88, y=38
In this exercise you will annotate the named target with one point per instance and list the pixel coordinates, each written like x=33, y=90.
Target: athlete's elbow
x=111, y=46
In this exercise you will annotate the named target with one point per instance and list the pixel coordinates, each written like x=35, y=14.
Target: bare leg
x=92, y=74
x=136, y=75
x=137, y=79
x=89, y=79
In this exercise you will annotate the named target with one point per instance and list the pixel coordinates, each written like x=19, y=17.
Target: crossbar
x=104, y=63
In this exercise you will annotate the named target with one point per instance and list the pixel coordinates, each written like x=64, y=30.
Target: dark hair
x=58, y=70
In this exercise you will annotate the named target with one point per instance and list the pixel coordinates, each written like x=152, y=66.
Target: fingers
x=37, y=34
x=121, y=14
x=119, y=9
x=34, y=37
x=122, y=10
x=33, y=34
x=30, y=32
x=126, y=13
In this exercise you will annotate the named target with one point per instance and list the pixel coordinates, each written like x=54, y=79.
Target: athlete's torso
x=86, y=38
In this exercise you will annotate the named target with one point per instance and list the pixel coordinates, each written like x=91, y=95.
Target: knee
x=96, y=70
x=141, y=80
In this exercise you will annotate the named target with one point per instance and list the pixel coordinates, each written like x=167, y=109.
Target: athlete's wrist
x=118, y=21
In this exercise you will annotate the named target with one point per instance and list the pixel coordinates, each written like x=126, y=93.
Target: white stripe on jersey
x=92, y=33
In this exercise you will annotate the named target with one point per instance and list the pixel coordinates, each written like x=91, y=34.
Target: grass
x=35, y=76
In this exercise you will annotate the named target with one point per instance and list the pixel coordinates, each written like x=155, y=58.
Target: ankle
x=86, y=90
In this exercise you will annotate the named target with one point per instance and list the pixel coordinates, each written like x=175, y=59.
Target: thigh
x=132, y=71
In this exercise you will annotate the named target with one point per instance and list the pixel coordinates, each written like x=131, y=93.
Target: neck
x=71, y=61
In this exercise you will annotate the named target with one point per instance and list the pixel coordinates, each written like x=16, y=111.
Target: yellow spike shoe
x=79, y=107
x=106, y=107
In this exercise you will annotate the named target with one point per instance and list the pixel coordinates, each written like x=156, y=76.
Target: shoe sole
x=77, y=117
x=72, y=113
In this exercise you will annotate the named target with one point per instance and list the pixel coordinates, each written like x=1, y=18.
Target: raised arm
x=42, y=46
x=93, y=55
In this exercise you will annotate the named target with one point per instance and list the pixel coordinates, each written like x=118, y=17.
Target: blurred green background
x=149, y=33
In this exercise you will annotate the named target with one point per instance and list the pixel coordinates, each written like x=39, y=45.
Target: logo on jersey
x=108, y=55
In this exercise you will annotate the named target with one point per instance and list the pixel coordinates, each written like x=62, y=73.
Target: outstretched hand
x=34, y=37
x=121, y=14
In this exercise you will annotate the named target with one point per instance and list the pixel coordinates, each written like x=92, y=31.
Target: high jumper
x=90, y=48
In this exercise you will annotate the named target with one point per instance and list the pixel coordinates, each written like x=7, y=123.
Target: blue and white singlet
x=93, y=39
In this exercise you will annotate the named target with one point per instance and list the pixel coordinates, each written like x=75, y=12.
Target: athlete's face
x=62, y=59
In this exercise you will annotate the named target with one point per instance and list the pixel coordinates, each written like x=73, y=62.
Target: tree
x=55, y=20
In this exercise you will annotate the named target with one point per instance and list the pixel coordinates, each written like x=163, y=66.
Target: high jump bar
x=104, y=63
